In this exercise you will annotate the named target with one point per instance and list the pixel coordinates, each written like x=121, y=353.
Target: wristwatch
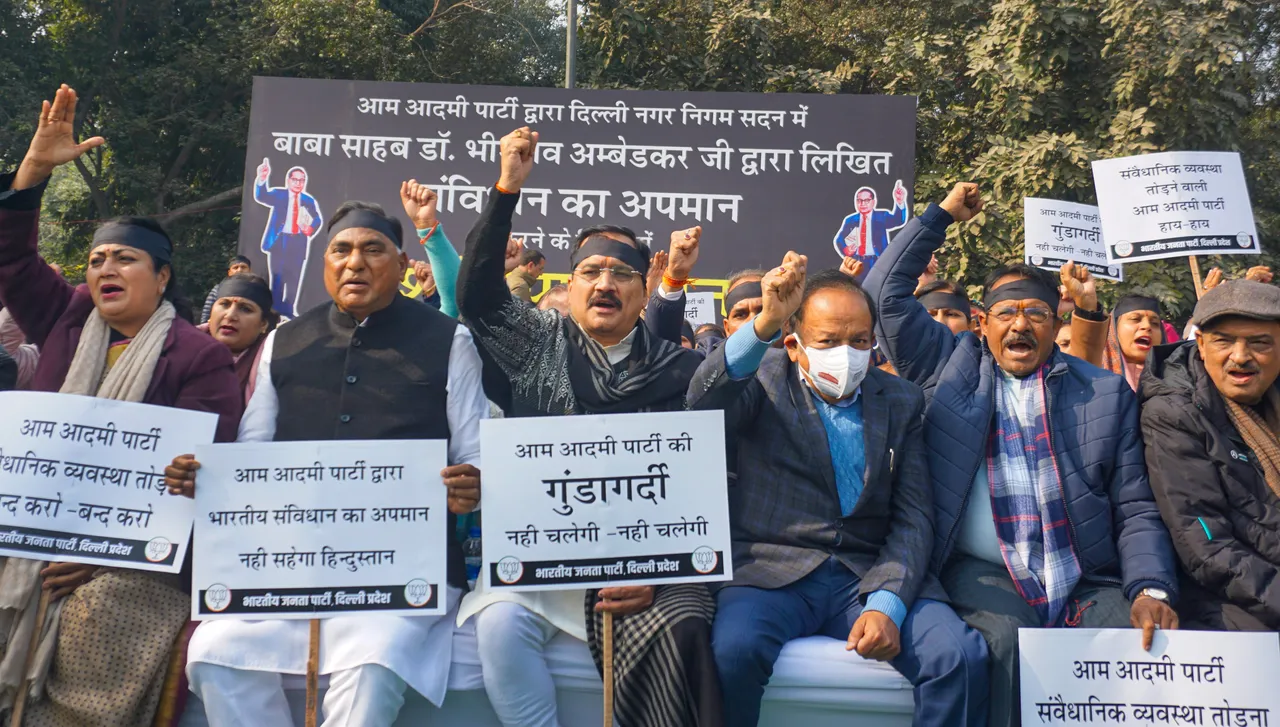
x=1157, y=593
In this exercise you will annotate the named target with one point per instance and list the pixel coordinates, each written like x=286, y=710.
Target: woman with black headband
x=118, y=336
x=1136, y=329
x=240, y=319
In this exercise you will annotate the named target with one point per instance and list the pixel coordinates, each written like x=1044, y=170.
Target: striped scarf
x=1027, y=500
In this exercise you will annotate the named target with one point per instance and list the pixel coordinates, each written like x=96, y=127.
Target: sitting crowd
x=913, y=473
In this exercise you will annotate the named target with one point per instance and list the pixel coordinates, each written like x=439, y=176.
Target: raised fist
x=515, y=246
x=852, y=267
x=963, y=202
x=422, y=273
x=684, y=253
x=899, y=194
x=1259, y=274
x=782, y=288
x=419, y=202
x=1079, y=285
x=517, y=158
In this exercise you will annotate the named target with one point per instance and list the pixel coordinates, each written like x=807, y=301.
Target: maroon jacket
x=194, y=371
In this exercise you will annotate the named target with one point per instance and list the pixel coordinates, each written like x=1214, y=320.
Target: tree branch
x=437, y=14
x=207, y=203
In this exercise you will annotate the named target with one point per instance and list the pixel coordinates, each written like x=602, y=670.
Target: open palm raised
x=54, y=142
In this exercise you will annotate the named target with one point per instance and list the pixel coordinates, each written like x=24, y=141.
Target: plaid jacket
x=783, y=504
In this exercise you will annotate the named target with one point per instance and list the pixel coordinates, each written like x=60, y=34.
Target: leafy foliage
x=1018, y=95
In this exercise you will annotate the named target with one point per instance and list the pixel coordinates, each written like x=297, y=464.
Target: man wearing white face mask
x=836, y=540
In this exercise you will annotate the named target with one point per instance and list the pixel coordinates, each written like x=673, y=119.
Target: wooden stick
x=20, y=699
x=608, y=669
x=313, y=674
x=1195, y=276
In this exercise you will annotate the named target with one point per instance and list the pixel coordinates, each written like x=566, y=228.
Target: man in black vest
x=598, y=360
x=370, y=365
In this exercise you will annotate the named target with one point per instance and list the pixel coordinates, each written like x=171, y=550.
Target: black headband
x=609, y=247
x=942, y=299
x=1021, y=290
x=237, y=287
x=741, y=292
x=368, y=220
x=1131, y=303
x=159, y=247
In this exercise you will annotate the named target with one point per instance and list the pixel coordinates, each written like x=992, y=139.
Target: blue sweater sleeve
x=744, y=351
x=445, y=262
x=888, y=603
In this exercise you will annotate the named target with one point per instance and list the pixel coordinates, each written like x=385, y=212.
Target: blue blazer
x=278, y=200
x=784, y=508
x=1093, y=426
x=881, y=222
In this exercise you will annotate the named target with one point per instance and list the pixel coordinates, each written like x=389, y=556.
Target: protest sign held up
x=1060, y=232
x=1103, y=676
x=82, y=480
x=307, y=530
x=652, y=160
x=590, y=501
x=1174, y=204
x=700, y=308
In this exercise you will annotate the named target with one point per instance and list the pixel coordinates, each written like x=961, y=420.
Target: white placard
x=1102, y=676
x=82, y=480
x=700, y=308
x=319, y=529
x=1174, y=204
x=593, y=501
x=1059, y=232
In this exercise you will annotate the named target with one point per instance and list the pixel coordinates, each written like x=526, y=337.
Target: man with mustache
x=830, y=540
x=372, y=364
x=598, y=360
x=1210, y=418
x=1043, y=515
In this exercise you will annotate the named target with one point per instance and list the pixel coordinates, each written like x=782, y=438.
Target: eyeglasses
x=621, y=275
x=1007, y=314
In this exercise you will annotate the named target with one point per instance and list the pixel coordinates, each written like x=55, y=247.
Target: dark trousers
x=287, y=260
x=984, y=595
x=941, y=657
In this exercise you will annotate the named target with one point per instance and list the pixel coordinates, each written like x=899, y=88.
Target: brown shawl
x=1259, y=432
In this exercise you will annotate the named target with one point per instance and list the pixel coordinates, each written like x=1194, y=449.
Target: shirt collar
x=618, y=352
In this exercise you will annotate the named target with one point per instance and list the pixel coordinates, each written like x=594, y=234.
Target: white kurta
x=565, y=610
x=419, y=648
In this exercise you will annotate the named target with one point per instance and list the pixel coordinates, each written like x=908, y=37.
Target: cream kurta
x=419, y=649
x=564, y=609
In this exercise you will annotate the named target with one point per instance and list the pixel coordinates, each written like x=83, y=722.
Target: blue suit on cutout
x=286, y=252
x=882, y=223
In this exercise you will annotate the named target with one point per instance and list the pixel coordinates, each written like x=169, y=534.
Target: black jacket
x=1224, y=519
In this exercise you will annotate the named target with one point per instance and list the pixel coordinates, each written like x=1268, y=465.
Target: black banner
x=1192, y=245
x=54, y=543
x=761, y=173
x=594, y=570
x=220, y=600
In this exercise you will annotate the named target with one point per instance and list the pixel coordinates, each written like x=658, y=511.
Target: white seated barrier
x=816, y=683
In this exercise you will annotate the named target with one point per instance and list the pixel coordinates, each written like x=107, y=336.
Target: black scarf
x=655, y=377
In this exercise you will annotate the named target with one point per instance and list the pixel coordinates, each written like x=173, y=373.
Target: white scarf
x=20, y=578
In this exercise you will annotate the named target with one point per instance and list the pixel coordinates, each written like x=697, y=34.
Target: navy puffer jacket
x=1093, y=426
